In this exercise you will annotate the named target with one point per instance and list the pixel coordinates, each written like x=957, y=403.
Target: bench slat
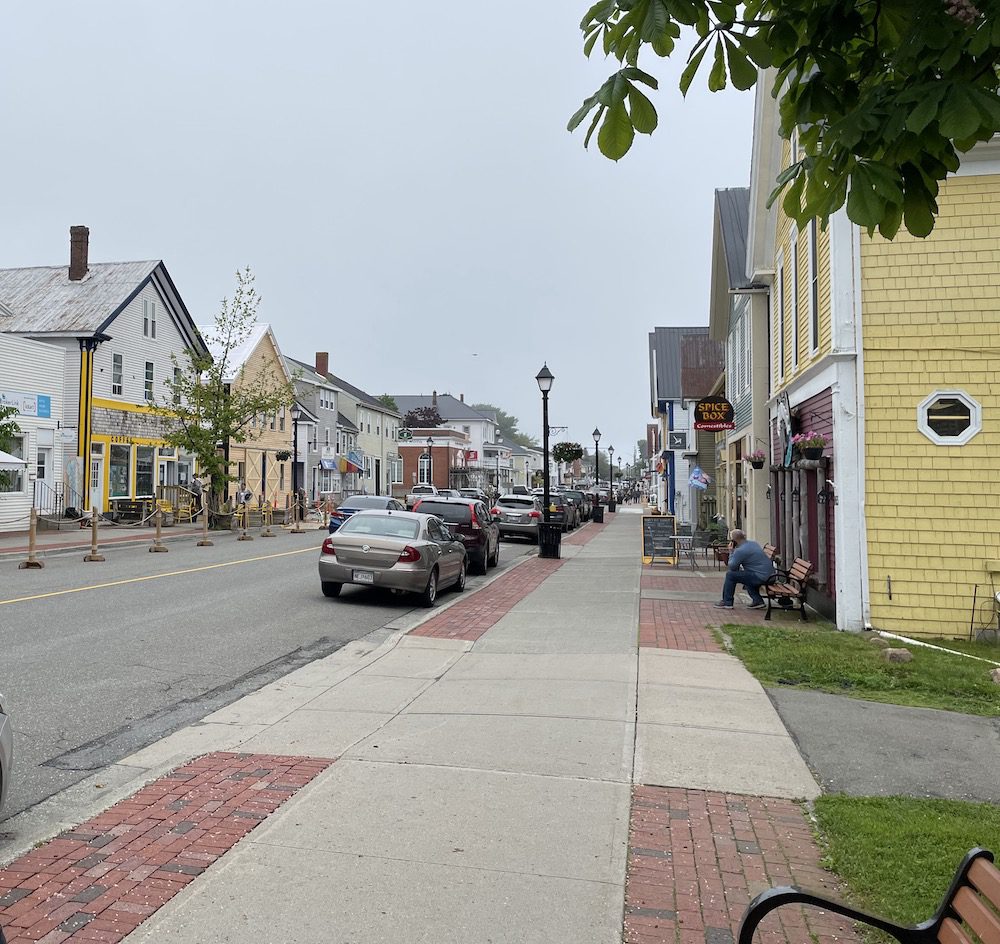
x=780, y=590
x=977, y=916
x=800, y=569
x=951, y=933
x=986, y=877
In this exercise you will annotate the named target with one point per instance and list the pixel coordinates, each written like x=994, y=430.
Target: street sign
x=404, y=435
x=677, y=439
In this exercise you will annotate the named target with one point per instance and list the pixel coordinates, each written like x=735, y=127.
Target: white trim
x=794, y=306
x=765, y=155
x=982, y=160
x=812, y=268
x=779, y=314
x=975, y=418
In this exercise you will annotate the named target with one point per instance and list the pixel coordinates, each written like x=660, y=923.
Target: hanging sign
x=714, y=414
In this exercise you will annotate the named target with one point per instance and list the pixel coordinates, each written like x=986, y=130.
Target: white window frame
x=424, y=470
x=794, y=295
x=396, y=471
x=148, y=318
x=117, y=370
x=779, y=314
x=17, y=477
x=813, y=253
x=149, y=379
x=327, y=441
x=975, y=418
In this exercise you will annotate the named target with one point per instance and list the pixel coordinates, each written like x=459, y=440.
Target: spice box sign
x=714, y=413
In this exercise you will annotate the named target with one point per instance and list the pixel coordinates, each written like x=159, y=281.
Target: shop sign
x=27, y=404
x=714, y=414
x=472, y=455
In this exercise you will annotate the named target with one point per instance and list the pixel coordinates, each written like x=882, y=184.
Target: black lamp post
x=597, y=458
x=430, y=460
x=549, y=534
x=296, y=416
x=611, y=478
x=499, y=441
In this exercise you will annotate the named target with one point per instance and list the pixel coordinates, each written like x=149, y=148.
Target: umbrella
x=9, y=463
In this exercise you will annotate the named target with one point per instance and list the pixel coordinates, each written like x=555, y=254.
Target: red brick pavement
x=472, y=616
x=670, y=624
x=587, y=533
x=98, y=882
x=697, y=858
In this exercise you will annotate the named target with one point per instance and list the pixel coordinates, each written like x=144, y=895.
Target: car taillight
x=474, y=524
x=409, y=555
x=495, y=512
x=328, y=548
x=534, y=514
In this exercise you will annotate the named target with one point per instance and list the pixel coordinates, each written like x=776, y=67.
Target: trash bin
x=611, y=506
x=549, y=539
x=598, y=514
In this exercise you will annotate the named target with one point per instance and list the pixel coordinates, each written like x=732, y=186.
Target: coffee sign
x=714, y=413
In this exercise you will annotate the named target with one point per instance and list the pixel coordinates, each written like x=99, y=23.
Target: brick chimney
x=434, y=399
x=322, y=362
x=461, y=397
x=79, y=240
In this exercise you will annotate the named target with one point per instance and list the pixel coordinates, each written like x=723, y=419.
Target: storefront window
x=12, y=480
x=119, y=471
x=144, y=471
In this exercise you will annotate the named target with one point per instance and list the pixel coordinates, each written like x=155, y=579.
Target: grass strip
x=846, y=664
x=899, y=854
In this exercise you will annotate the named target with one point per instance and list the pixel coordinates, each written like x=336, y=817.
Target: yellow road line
x=172, y=573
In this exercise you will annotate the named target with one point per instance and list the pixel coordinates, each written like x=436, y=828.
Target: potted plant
x=283, y=455
x=757, y=458
x=810, y=444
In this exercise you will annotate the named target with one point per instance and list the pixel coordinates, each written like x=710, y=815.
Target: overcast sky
x=398, y=176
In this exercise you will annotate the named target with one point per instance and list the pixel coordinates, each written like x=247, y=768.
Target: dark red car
x=472, y=523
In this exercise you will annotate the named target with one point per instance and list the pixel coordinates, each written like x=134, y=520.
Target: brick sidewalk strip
x=696, y=859
x=473, y=616
x=101, y=880
x=669, y=624
x=586, y=533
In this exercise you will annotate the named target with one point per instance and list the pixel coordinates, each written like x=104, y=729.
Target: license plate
x=364, y=576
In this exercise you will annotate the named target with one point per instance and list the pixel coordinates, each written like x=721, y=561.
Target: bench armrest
x=783, y=577
x=773, y=898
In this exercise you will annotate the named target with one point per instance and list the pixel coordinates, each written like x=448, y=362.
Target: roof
x=241, y=353
x=344, y=423
x=360, y=394
x=449, y=407
x=665, y=362
x=702, y=361
x=304, y=372
x=733, y=209
x=43, y=299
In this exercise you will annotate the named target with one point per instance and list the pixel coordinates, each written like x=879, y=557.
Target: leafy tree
x=567, y=452
x=507, y=424
x=8, y=430
x=423, y=417
x=884, y=94
x=388, y=401
x=208, y=408
x=642, y=450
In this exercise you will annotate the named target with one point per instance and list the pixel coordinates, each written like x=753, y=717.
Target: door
x=378, y=476
x=97, y=482
x=450, y=561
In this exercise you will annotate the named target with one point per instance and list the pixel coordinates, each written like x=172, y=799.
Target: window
x=281, y=419
x=144, y=471
x=148, y=318
x=149, y=382
x=780, y=316
x=177, y=388
x=12, y=480
x=327, y=440
x=396, y=471
x=241, y=472
x=368, y=467
x=273, y=420
x=117, y=368
x=949, y=417
x=281, y=477
x=424, y=470
x=794, y=306
x=41, y=464
x=813, y=289
x=120, y=467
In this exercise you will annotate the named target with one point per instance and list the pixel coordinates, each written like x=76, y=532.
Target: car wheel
x=494, y=560
x=462, y=577
x=331, y=589
x=430, y=593
x=483, y=563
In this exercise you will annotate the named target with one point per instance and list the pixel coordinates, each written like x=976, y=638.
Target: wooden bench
x=967, y=914
x=127, y=508
x=789, y=585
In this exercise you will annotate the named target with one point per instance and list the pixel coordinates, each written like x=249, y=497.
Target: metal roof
x=359, y=394
x=665, y=361
x=449, y=407
x=702, y=361
x=733, y=208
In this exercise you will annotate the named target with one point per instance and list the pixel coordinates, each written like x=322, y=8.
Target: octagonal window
x=949, y=417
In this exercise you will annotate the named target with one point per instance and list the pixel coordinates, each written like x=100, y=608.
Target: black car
x=582, y=502
x=362, y=503
x=471, y=522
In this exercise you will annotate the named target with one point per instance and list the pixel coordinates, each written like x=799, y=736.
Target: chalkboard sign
x=657, y=530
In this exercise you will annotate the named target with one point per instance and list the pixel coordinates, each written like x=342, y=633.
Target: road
x=100, y=659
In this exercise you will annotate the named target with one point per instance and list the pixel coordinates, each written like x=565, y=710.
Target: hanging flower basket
x=757, y=463
x=810, y=444
x=757, y=459
x=812, y=452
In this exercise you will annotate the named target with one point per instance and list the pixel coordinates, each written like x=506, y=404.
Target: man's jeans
x=749, y=581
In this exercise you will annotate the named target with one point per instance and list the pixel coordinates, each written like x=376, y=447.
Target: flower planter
x=757, y=464
x=812, y=452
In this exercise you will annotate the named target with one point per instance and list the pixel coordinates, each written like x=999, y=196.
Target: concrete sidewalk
x=515, y=768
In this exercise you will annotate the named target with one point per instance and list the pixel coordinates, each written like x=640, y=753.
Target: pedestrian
x=748, y=565
x=197, y=495
x=243, y=494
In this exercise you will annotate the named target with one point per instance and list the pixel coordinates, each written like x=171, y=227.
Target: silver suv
x=518, y=515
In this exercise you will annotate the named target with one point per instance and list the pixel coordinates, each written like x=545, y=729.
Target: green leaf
x=792, y=204
x=755, y=45
x=616, y=134
x=717, y=77
x=655, y=21
x=593, y=125
x=687, y=76
x=588, y=46
x=598, y=13
x=864, y=206
x=742, y=72
x=641, y=111
x=889, y=225
x=637, y=75
x=788, y=173
x=926, y=109
x=918, y=211
x=581, y=113
x=663, y=45
x=959, y=117
x=724, y=12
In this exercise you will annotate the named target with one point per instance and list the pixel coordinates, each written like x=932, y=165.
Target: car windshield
x=364, y=501
x=450, y=513
x=389, y=526
x=508, y=502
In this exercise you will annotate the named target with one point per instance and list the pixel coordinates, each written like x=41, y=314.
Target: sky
x=399, y=178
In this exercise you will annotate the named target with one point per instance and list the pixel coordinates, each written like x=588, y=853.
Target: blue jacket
x=751, y=559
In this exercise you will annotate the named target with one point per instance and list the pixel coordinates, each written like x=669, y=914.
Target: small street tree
x=8, y=430
x=423, y=417
x=388, y=401
x=210, y=402
x=884, y=95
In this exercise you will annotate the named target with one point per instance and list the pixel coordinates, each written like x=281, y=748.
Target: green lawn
x=846, y=664
x=897, y=854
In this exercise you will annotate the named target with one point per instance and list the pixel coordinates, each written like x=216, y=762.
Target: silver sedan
x=6, y=752
x=395, y=550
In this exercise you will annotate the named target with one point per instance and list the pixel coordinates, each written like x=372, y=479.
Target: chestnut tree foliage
x=885, y=94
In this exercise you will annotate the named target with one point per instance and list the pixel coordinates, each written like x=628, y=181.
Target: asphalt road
x=100, y=659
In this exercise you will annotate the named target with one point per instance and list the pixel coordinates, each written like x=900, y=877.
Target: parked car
x=418, y=492
x=520, y=490
x=6, y=754
x=561, y=511
x=518, y=515
x=475, y=493
x=472, y=522
x=395, y=550
x=358, y=503
x=582, y=502
x=449, y=493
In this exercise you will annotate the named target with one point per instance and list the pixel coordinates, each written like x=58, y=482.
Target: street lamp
x=430, y=460
x=597, y=459
x=296, y=416
x=611, y=478
x=499, y=441
x=549, y=535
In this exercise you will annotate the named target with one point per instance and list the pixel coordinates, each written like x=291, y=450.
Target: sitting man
x=748, y=565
